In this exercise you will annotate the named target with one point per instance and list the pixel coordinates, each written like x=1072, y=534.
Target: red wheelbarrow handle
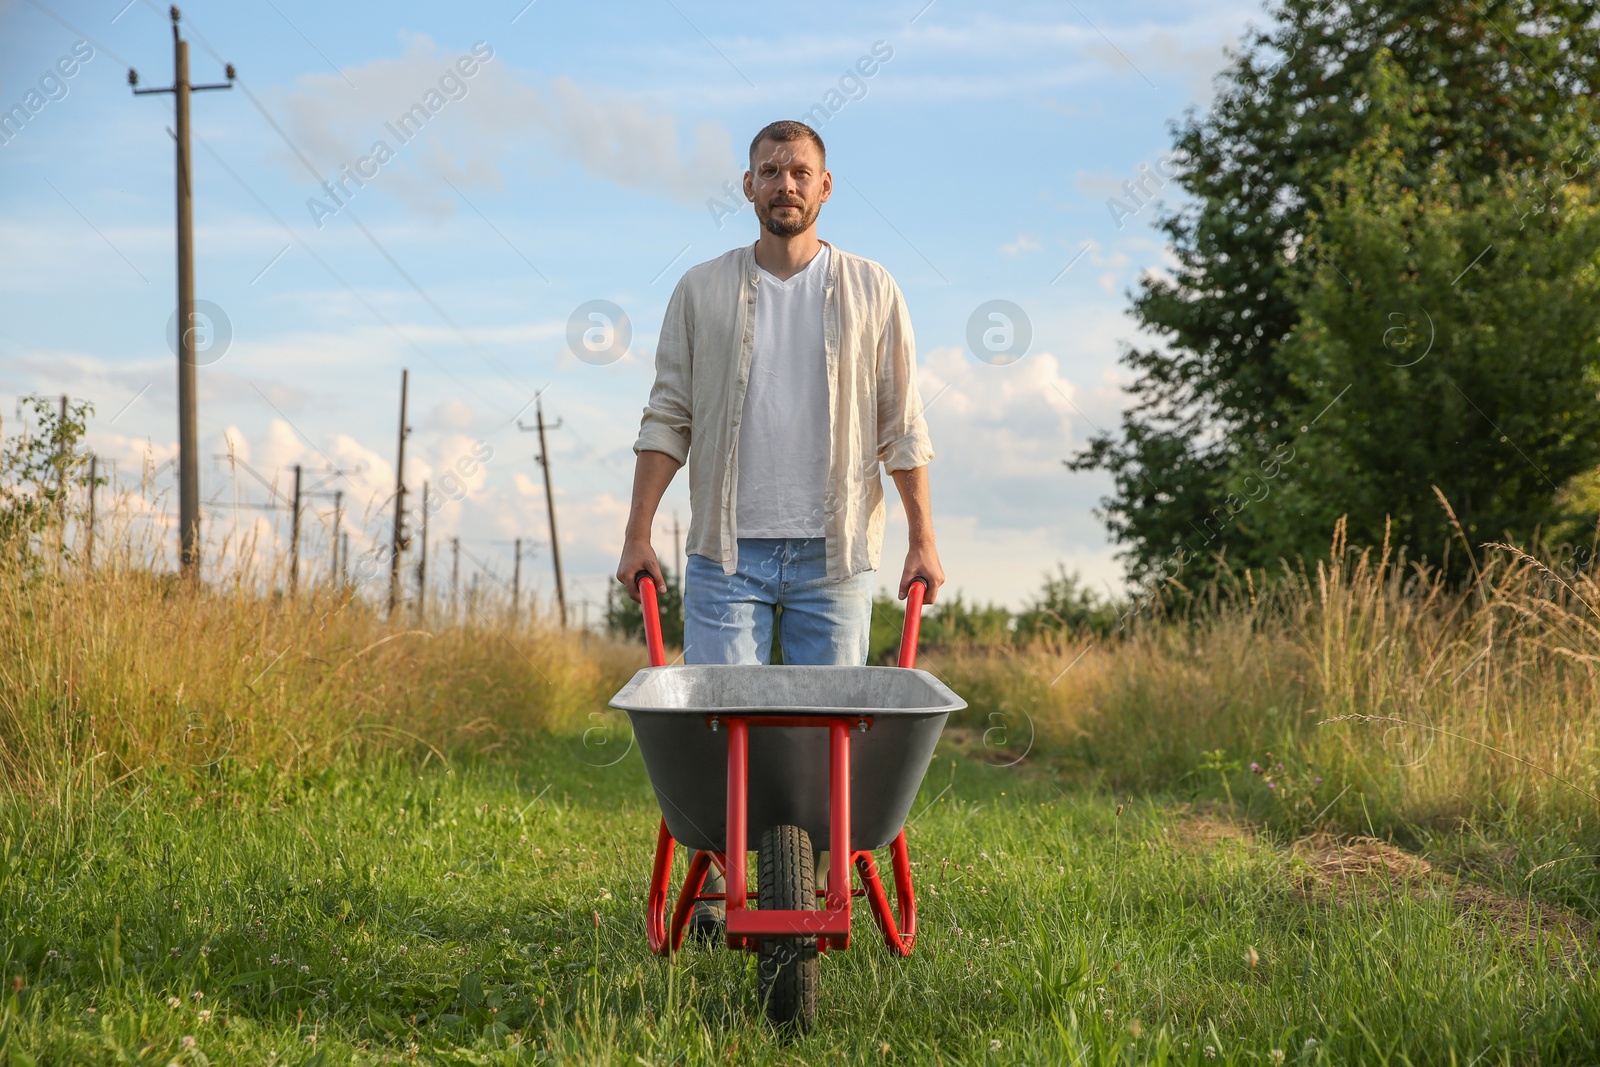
x=652, y=618
x=658, y=651
x=908, y=637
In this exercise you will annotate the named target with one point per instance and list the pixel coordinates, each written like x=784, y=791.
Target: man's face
x=788, y=185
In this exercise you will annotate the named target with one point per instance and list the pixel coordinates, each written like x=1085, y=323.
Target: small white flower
x=1107, y=1013
x=187, y=1041
x=304, y=969
x=994, y=1044
x=174, y=1002
x=205, y=1015
x=1211, y=1052
x=198, y=994
x=1310, y=1042
x=1276, y=1055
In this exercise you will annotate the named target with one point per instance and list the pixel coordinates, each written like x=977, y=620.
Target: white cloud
x=451, y=414
x=1001, y=492
x=616, y=136
x=1025, y=242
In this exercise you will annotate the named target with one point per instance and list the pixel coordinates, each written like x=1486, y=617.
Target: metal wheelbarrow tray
x=678, y=715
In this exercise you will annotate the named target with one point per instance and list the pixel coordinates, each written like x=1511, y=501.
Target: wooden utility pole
x=550, y=502
x=188, y=419
x=63, y=457
x=399, y=542
x=94, y=476
x=422, y=560
x=344, y=559
x=294, y=536
x=516, y=577
x=455, y=576
x=338, y=520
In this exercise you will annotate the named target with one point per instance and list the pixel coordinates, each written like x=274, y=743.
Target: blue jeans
x=727, y=618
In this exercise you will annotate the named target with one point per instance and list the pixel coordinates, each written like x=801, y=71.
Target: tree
x=1455, y=350
x=1065, y=605
x=38, y=474
x=1498, y=86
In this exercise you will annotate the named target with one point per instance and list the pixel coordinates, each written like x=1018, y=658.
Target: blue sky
x=582, y=160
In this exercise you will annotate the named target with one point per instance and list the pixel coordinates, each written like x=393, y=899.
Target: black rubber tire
x=787, y=974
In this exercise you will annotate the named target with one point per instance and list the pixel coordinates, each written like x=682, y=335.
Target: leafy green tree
x=1456, y=347
x=39, y=473
x=1065, y=605
x=952, y=621
x=1498, y=86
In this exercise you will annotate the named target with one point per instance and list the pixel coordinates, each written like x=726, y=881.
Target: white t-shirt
x=783, y=432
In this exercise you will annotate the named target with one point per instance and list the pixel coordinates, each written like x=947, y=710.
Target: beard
x=788, y=226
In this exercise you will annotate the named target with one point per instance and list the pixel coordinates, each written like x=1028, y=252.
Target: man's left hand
x=922, y=561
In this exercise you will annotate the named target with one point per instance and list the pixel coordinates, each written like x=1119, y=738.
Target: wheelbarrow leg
x=898, y=936
x=693, y=881
x=664, y=939
x=655, y=905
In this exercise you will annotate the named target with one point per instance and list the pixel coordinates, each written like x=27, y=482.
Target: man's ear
x=749, y=187
x=827, y=186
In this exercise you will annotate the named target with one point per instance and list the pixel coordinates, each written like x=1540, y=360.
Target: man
x=785, y=374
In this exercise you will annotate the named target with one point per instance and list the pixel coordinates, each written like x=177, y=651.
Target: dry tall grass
x=122, y=665
x=1430, y=703
x=1376, y=685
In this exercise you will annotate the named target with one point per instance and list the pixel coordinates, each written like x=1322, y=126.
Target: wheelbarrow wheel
x=786, y=880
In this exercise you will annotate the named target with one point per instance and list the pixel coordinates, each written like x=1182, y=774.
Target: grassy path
x=491, y=913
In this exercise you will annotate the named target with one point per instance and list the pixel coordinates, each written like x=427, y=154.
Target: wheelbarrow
x=813, y=758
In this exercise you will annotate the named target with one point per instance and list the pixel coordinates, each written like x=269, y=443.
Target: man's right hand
x=639, y=556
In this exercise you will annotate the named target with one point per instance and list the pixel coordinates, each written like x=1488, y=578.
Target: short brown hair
x=789, y=130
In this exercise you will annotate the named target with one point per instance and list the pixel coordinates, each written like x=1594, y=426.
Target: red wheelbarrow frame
x=745, y=927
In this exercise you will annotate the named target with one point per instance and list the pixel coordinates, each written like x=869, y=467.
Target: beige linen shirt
x=874, y=410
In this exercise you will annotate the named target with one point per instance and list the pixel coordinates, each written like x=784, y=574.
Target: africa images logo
x=452, y=87
x=53, y=85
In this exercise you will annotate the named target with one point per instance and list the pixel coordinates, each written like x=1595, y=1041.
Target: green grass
x=385, y=913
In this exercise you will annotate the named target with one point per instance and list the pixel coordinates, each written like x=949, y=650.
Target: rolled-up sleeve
x=903, y=442
x=667, y=417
